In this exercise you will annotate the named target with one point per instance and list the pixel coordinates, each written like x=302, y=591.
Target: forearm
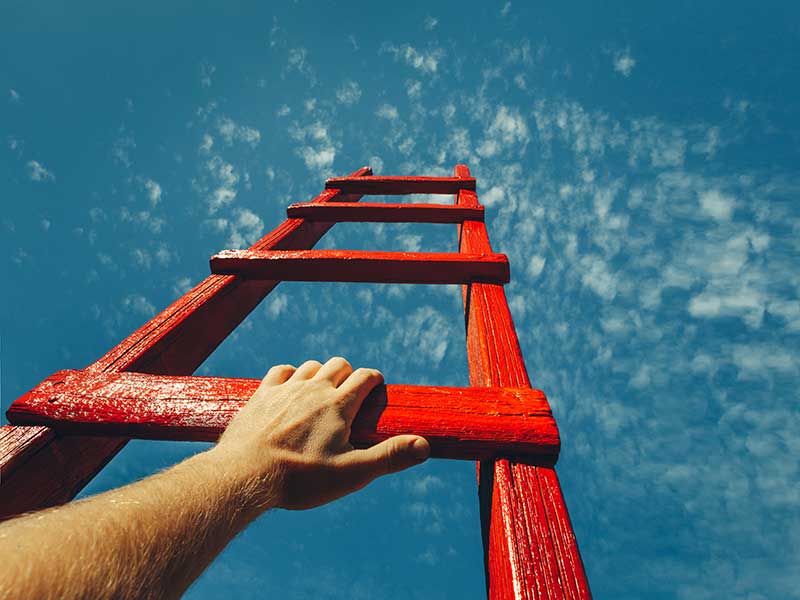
x=148, y=539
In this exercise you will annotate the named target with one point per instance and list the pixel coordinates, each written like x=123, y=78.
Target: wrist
x=251, y=486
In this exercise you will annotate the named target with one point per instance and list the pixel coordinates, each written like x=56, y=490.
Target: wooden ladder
x=71, y=424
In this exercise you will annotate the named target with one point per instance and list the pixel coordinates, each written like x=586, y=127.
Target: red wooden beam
x=530, y=548
x=385, y=212
x=176, y=341
x=463, y=423
x=394, y=186
x=361, y=266
x=17, y=444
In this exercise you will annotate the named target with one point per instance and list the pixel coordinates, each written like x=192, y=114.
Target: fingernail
x=420, y=449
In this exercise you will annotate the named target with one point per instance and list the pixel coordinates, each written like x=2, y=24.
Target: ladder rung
x=392, y=186
x=384, y=212
x=463, y=423
x=362, y=266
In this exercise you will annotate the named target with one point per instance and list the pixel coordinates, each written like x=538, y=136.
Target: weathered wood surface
x=395, y=186
x=365, y=212
x=176, y=341
x=462, y=423
x=363, y=266
x=17, y=444
x=530, y=548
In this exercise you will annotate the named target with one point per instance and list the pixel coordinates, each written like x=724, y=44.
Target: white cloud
x=277, y=305
x=206, y=71
x=14, y=143
x=317, y=149
x=642, y=378
x=318, y=159
x=430, y=23
x=494, y=195
x=624, y=63
x=297, y=60
x=740, y=301
x=244, y=229
x=424, y=485
x=348, y=93
x=424, y=61
x=717, y=205
x=387, y=111
x=38, y=172
x=757, y=361
x=536, y=266
x=506, y=9
x=138, y=305
x=508, y=129
x=207, y=144
x=788, y=310
x=598, y=278
x=13, y=96
x=181, y=286
x=153, y=189
x=122, y=147
x=410, y=242
x=142, y=217
x=428, y=557
x=414, y=89
x=141, y=257
x=230, y=132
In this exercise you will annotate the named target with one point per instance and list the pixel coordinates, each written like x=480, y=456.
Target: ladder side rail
x=176, y=341
x=530, y=550
x=17, y=444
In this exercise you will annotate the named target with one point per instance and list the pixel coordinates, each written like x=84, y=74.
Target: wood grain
x=17, y=444
x=530, y=548
x=362, y=266
x=364, y=212
x=176, y=341
x=462, y=423
x=393, y=186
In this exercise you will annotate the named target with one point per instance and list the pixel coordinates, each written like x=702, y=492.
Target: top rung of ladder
x=395, y=186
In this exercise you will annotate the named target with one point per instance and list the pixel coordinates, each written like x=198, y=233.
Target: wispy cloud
x=624, y=62
x=38, y=172
x=348, y=93
x=232, y=132
x=425, y=61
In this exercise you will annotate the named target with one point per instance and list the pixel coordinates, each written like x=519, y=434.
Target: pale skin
x=287, y=448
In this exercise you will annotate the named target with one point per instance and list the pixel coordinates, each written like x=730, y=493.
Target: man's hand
x=293, y=435
x=287, y=447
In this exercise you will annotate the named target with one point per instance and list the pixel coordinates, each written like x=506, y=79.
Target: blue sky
x=639, y=167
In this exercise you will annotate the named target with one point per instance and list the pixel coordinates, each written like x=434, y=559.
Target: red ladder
x=72, y=423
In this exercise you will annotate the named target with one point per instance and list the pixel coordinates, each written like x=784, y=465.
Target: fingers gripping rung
x=463, y=423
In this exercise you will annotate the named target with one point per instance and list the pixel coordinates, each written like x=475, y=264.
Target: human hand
x=293, y=435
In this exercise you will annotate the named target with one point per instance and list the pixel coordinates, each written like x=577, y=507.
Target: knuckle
x=339, y=361
x=369, y=375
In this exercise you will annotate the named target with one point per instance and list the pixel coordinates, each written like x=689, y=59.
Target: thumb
x=390, y=456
